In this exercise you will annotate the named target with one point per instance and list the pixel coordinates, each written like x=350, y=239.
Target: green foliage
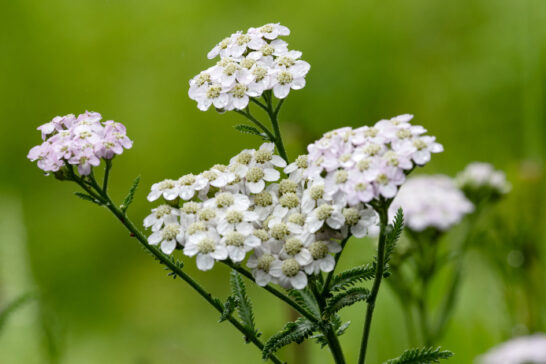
x=86, y=197
x=244, y=306
x=229, y=306
x=296, y=331
x=12, y=307
x=421, y=356
x=130, y=195
x=352, y=276
x=345, y=298
x=392, y=237
x=248, y=129
x=306, y=299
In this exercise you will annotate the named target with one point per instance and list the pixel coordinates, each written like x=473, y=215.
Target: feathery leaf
x=421, y=356
x=248, y=129
x=306, y=299
x=346, y=298
x=244, y=306
x=392, y=237
x=352, y=276
x=129, y=198
x=296, y=331
x=87, y=197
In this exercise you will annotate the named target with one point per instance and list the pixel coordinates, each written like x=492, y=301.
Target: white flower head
x=167, y=237
x=207, y=248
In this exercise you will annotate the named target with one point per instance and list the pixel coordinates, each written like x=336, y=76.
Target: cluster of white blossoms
x=369, y=162
x=479, y=175
x=289, y=228
x=250, y=63
x=522, y=350
x=431, y=202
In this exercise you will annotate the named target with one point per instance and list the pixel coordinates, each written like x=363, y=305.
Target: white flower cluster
x=431, y=202
x=289, y=227
x=367, y=163
x=250, y=63
x=521, y=350
x=480, y=175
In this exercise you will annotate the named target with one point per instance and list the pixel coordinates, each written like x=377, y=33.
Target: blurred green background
x=472, y=71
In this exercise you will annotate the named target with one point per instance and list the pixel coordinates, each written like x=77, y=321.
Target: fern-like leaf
x=244, y=306
x=296, y=331
x=87, y=197
x=392, y=237
x=248, y=129
x=346, y=298
x=306, y=299
x=352, y=276
x=421, y=356
x=130, y=195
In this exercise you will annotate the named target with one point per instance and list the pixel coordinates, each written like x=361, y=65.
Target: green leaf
x=421, y=356
x=249, y=129
x=86, y=197
x=392, y=237
x=229, y=306
x=12, y=307
x=346, y=298
x=244, y=306
x=296, y=331
x=129, y=198
x=306, y=299
x=352, y=276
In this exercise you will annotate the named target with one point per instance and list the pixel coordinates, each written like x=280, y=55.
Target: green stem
x=326, y=286
x=383, y=221
x=273, y=116
x=327, y=330
x=122, y=217
x=106, y=175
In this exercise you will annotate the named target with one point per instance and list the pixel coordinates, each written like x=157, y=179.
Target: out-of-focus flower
x=480, y=177
x=431, y=202
x=522, y=350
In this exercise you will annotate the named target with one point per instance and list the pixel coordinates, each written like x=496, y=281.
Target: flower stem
x=326, y=286
x=327, y=329
x=124, y=219
x=380, y=266
x=249, y=116
x=273, y=116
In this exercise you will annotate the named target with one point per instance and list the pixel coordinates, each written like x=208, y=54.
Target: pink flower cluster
x=81, y=141
x=363, y=164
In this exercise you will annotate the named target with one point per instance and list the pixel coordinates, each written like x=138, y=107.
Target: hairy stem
x=380, y=266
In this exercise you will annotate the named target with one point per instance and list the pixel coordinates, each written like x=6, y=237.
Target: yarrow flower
x=368, y=163
x=431, y=202
x=80, y=141
x=522, y=350
x=479, y=176
x=250, y=64
x=288, y=228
